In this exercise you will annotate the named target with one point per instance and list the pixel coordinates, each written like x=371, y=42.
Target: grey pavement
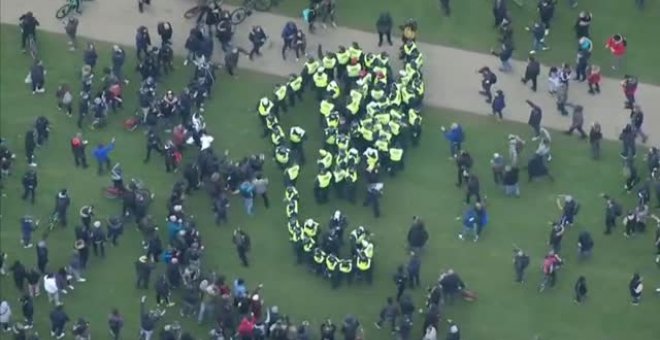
x=450, y=74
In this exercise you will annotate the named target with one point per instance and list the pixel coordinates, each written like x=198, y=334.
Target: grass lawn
x=470, y=27
x=504, y=309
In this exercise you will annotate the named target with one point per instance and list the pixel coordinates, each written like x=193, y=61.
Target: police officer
x=331, y=264
x=396, y=159
x=295, y=84
x=280, y=93
x=346, y=270
x=319, y=258
x=86, y=214
x=291, y=174
x=297, y=136
x=374, y=191
x=320, y=79
x=29, y=184
x=242, y=242
x=363, y=264
x=322, y=185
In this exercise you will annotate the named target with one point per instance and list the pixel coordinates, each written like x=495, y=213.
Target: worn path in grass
x=450, y=73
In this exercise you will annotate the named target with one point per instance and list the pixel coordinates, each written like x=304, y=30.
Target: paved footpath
x=450, y=74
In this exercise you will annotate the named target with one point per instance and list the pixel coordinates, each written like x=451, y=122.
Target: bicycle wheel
x=32, y=45
x=192, y=13
x=63, y=11
x=261, y=5
x=239, y=15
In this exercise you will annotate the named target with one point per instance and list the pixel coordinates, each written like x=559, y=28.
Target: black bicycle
x=197, y=10
x=240, y=14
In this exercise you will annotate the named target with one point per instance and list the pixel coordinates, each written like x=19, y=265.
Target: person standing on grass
x=582, y=24
x=5, y=316
x=37, y=77
x=261, y=188
x=532, y=71
x=71, y=30
x=556, y=236
x=613, y=210
x=27, y=309
x=500, y=12
x=384, y=28
x=29, y=182
x=90, y=57
x=64, y=99
x=585, y=245
x=497, y=165
x=102, y=156
x=520, y=264
x=456, y=137
x=242, y=242
x=535, y=117
x=618, y=47
x=58, y=321
x=636, y=120
x=538, y=37
x=580, y=289
x=636, y=287
x=28, y=226
x=28, y=24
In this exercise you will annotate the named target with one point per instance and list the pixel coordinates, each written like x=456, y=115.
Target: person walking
x=580, y=289
x=261, y=188
x=595, y=136
x=414, y=267
x=535, y=117
x=243, y=244
x=78, y=145
x=636, y=287
x=618, y=46
x=532, y=71
x=577, y=121
x=498, y=104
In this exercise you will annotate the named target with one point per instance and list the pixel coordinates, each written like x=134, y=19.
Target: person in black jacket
x=30, y=146
x=90, y=57
x=585, y=245
x=28, y=24
x=417, y=235
x=242, y=242
x=580, y=289
x=595, y=136
x=384, y=28
x=164, y=29
x=143, y=269
x=473, y=189
x=464, y=164
x=58, y=321
x=37, y=77
x=148, y=320
x=535, y=116
x=153, y=143
x=42, y=256
x=505, y=53
x=163, y=292
x=29, y=182
x=62, y=202
x=520, y=263
x=487, y=81
x=510, y=181
x=27, y=307
x=258, y=38
x=532, y=71
x=42, y=128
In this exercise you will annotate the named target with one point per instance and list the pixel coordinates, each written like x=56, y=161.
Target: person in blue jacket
x=173, y=228
x=28, y=225
x=288, y=35
x=498, y=104
x=102, y=156
x=474, y=221
x=455, y=136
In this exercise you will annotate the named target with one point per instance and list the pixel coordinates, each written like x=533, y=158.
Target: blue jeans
x=506, y=66
x=249, y=205
x=454, y=148
x=512, y=190
x=537, y=44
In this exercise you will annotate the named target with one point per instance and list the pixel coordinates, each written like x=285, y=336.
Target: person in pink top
x=618, y=46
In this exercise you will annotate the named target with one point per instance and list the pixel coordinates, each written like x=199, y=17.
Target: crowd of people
x=370, y=116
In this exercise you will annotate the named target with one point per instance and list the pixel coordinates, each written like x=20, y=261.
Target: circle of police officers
x=369, y=117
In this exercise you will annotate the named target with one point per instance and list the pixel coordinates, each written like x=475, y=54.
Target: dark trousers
x=387, y=35
x=594, y=88
x=142, y=282
x=497, y=113
x=264, y=196
x=160, y=298
x=581, y=72
x=242, y=255
x=98, y=248
x=288, y=44
x=413, y=279
x=531, y=78
x=25, y=36
x=113, y=235
x=470, y=194
x=57, y=329
x=520, y=274
x=37, y=84
x=444, y=5
x=579, y=129
x=255, y=49
x=400, y=288
x=152, y=147
x=28, y=191
x=103, y=166
x=79, y=158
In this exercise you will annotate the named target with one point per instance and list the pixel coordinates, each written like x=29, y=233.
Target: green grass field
x=471, y=21
x=504, y=310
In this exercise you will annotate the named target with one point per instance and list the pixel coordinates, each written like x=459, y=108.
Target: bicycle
x=240, y=14
x=199, y=8
x=70, y=6
x=113, y=192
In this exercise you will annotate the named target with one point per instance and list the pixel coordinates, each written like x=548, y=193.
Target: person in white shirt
x=5, y=316
x=50, y=286
x=206, y=141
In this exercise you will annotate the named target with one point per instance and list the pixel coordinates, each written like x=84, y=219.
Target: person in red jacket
x=246, y=328
x=593, y=79
x=617, y=45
